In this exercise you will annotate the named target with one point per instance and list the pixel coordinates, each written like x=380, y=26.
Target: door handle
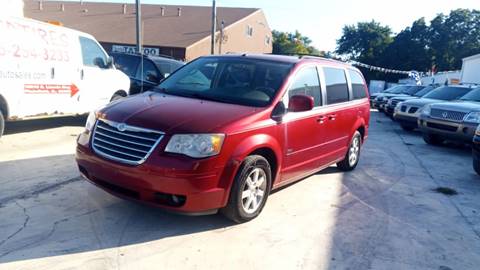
x=321, y=119
x=332, y=117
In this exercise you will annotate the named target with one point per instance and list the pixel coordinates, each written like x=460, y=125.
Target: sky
x=323, y=20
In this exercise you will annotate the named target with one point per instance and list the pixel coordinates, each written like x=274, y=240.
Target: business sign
x=133, y=49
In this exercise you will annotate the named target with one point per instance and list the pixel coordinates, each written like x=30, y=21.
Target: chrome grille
x=124, y=143
x=447, y=115
x=394, y=103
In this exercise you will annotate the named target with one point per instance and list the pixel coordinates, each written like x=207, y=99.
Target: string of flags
x=411, y=74
x=381, y=69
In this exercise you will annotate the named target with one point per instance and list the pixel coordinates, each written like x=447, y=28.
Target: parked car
x=381, y=100
x=389, y=108
x=393, y=102
x=374, y=104
x=47, y=70
x=223, y=131
x=476, y=151
x=455, y=120
x=145, y=72
x=407, y=112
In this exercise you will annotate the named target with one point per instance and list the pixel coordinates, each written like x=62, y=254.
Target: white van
x=49, y=70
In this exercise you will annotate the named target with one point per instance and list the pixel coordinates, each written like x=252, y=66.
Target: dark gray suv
x=455, y=120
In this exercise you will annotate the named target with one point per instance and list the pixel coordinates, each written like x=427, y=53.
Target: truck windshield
x=473, y=95
x=250, y=82
x=447, y=93
x=425, y=91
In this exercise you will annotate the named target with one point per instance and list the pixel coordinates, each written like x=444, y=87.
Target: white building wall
x=11, y=8
x=471, y=70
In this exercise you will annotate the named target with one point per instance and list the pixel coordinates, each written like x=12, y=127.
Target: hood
x=420, y=102
x=404, y=98
x=458, y=106
x=175, y=114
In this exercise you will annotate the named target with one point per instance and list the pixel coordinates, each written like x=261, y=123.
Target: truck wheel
x=250, y=190
x=2, y=124
x=476, y=162
x=407, y=127
x=432, y=139
x=353, y=154
x=117, y=96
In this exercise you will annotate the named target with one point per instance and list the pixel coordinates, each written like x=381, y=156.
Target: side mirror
x=278, y=112
x=300, y=103
x=110, y=62
x=150, y=77
x=99, y=62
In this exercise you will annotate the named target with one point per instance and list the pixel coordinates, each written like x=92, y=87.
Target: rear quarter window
x=358, y=87
x=336, y=84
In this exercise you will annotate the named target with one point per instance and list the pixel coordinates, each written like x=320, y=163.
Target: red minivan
x=223, y=131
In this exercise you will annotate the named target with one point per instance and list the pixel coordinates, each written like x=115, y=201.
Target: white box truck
x=49, y=70
x=471, y=70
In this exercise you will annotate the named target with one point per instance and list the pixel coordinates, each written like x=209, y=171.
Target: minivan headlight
x=426, y=110
x=92, y=118
x=473, y=117
x=196, y=145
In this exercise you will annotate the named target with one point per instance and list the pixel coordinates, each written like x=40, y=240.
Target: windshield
x=243, y=81
x=447, y=93
x=399, y=90
x=473, y=95
x=413, y=90
x=425, y=91
x=389, y=90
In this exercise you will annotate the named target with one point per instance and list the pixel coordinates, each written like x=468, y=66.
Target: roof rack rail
x=307, y=55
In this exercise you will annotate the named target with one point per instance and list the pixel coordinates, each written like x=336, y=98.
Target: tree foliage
x=442, y=43
x=293, y=43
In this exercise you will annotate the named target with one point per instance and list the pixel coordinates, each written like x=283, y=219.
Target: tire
x=352, y=156
x=476, y=162
x=116, y=96
x=432, y=139
x=242, y=209
x=407, y=127
x=2, y=124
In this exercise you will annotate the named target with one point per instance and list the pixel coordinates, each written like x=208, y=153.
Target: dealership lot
x=383, y=215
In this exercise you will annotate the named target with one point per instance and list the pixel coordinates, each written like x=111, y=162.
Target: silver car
x=456, y=120
x=407, y=112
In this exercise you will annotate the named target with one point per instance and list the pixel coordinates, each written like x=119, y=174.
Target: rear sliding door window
x=358, y=88
x=306, y=83
x=336, y=83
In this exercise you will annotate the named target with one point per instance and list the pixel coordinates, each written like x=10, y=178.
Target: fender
x=360, y=122
x=247, y=146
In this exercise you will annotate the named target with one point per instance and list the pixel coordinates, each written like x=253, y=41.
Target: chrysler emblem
x=121, y=127
x=445, y=114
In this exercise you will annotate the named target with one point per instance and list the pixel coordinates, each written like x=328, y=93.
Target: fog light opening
x=170, y=199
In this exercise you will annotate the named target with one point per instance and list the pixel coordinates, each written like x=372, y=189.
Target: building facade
x=182, y=32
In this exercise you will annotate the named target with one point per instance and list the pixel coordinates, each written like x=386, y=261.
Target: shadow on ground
x=14, y=127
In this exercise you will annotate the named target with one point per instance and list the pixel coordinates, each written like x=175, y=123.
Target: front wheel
x=353, y=154
x=2, y=124
x=250, y=190
x=432, y=139
x=476, y=162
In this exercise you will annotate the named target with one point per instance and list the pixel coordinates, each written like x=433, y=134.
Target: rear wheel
x=250, y=190
x=2, y=124
x=353, y=154
x=476, y=162
x=432, y=139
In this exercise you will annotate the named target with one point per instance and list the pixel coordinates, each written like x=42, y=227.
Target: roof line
x=229, y=26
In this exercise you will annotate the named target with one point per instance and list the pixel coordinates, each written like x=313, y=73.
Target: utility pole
x=222, y=36
x=214, y=26
x=139, y=26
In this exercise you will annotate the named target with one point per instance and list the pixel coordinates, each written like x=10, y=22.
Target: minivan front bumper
x=176, y=183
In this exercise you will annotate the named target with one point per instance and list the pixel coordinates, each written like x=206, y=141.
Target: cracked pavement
x=383, y=215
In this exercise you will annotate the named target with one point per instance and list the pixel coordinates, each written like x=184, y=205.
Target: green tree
x=364, y=42
x=293, y=43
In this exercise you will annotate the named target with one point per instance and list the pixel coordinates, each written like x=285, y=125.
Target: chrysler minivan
x=222, y=132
